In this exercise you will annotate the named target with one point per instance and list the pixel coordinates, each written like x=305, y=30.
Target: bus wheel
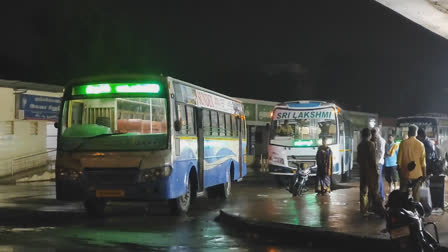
x=226, y=188
x=335, y=180
x=181, y=204
x=95, y=207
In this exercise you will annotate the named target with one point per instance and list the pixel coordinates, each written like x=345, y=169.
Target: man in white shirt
x=380, y=144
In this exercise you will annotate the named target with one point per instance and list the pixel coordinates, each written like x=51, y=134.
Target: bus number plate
x=109, y=193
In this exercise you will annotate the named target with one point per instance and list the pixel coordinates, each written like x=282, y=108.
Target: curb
x=304, y=236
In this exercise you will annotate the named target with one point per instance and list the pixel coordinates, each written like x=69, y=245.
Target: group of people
x=376, y=155
x=404, y=163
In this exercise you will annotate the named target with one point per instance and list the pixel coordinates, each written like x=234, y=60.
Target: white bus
x=435, y=126
x=310, y=121
x=147, y=138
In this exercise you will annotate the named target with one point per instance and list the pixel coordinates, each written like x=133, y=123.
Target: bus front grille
x=301, y=161
x=111, y=176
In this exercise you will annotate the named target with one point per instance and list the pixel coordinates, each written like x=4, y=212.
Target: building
x=28, y=136
x=258, y=119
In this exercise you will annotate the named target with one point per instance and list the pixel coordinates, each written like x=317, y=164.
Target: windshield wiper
x=88, y=139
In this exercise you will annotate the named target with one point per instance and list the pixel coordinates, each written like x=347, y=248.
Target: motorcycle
x=405, y=222
x=297, y=182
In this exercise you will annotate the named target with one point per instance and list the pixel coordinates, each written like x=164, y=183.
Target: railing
x=34, y=160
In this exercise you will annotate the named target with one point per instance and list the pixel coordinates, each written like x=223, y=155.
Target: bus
x=309, y=122
x=435, y=126
x=145, y=138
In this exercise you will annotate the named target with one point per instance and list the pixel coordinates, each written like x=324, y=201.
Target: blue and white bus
x=147, y=138
x=308, y=122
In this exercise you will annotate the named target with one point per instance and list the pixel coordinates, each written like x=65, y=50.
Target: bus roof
x=428, y=116
x=307, y=104
x=204, y=89
x=139, y=77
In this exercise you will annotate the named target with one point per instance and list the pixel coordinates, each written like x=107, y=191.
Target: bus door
x=239, y=124
x=342, y=151
x=201, y=147
x=348, y=157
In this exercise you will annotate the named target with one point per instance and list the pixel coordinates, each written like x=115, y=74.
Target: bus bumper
x=139, y=192
x=286, y=171
x=79, y=191
x=280, y=170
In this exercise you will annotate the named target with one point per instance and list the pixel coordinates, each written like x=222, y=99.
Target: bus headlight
x=69, y=174
x=152, y=174
x=278, y=160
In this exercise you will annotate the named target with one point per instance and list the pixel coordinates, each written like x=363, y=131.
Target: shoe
x=365, y=214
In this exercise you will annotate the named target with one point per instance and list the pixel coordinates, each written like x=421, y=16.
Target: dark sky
x=358, y=53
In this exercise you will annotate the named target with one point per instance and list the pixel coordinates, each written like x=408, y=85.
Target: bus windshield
x=127, y=123
x=303, y=132
x=428, y=124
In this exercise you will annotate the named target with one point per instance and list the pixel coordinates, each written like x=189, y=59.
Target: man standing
x=380, y=145
x=390, y=163
x=430, y=150
x=368, y=186
x=411, y=154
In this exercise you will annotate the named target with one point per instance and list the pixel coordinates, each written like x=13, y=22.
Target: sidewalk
x=271, y=207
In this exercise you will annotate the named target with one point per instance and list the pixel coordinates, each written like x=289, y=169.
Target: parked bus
x=147, y=138
x=309, y=122
x=435, y=126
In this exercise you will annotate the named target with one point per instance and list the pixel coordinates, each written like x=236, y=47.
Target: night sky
x=357, y=53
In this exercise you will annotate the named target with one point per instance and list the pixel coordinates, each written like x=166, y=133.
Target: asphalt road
x=32, y=220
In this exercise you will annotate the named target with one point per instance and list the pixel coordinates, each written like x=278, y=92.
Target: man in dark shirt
x=369, y=175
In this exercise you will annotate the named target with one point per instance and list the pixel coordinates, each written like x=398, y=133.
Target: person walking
x=390, y=163
x=324, y=159
x=411, y=155
x=368, y=169
x=380, y=145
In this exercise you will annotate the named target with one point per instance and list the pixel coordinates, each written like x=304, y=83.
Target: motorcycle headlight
x=152, y=174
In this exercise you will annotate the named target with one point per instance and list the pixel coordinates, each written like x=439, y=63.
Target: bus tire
x=95, y=207
x=226, y=188
x=336, y=179
x=181, y=204
x=346, y=172
x=222, y=190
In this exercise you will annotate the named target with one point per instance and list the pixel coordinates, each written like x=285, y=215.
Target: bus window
x=190, y=121
x=234, y=128
x=181, y=116
x=214, y=123
x=228, y=125
x=206, y=122
x=222, y=125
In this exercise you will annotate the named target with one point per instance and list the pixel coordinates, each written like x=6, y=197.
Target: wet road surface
x=32, y=220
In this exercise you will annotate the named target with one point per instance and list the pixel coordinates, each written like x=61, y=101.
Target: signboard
x=264, y=112
x=35, y=107
x=215, y=102
x=283, y=114
x=249, y=111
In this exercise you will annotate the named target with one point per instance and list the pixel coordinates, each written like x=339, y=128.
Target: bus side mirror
x=56, y=125
x=177, y=125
